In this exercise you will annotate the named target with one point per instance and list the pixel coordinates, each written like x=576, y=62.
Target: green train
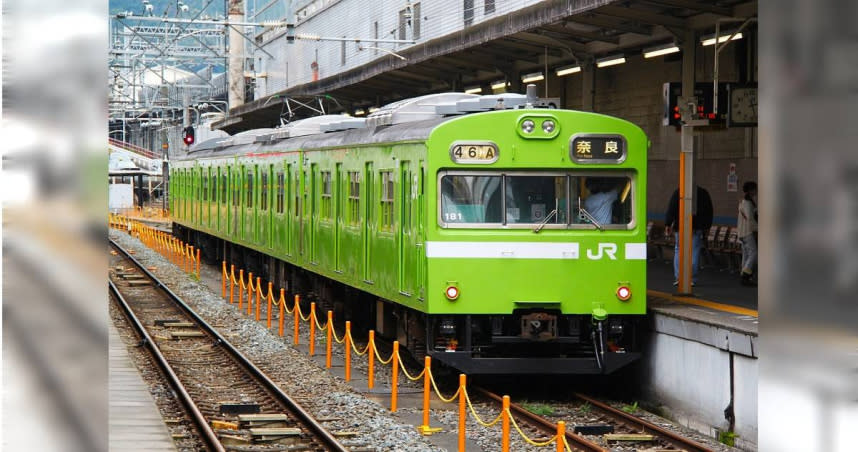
x=494, y=236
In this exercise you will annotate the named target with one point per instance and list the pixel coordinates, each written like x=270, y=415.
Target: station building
x=351, y=57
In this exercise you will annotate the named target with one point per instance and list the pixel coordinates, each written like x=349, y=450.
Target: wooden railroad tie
x=178, y=325
x=228, y=407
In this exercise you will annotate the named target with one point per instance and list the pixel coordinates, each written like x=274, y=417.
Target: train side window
x=205, y=185
x=249, y=185
x=223, y=185
x=280, y=192
x=263, y=192
x=236, y=189
x=354, y=197
x=326, y=194
x=387, y=200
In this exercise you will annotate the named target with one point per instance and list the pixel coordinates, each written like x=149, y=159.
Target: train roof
x=406, y=120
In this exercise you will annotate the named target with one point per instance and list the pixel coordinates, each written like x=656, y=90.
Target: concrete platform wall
x=694, y=371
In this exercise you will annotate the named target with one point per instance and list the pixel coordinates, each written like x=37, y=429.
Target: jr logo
x=609, y=249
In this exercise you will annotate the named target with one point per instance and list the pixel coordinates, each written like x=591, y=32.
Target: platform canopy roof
x=554, y=33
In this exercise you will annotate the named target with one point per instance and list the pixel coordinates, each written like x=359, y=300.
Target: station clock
x=742, y=106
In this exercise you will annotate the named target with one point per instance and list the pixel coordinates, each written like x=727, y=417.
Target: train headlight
x=527, y=126
x=624, y=293
x=548, y=126
x=452, y=293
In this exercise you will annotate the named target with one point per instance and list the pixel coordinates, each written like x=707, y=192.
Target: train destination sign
x=482, y=152
x=597, y=148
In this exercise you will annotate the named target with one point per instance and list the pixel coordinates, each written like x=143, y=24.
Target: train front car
x=536, y=258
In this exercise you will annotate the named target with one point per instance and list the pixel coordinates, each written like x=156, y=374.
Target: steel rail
x=574, y=440
x=208, y=435
x=648, y=427
x=303, y=416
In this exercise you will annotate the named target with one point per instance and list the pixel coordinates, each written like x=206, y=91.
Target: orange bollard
x=348, y=351
x=282, y=304
x=198, y=263
x=297, y=321
x=330, y=332
x=427, y=383
x=258, y=295
x=270, y=299
x=249, y=292
x=312, y=329
x=223, y=279
x=505, y=425
x=561, y=435
x=231, y=285
x=371, y=358
x=463, y=415
x=394, y=384
x=240, y=289
x=189, y=263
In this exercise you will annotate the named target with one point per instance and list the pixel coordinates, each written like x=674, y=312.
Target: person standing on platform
x=701, y=221
x=747, y=229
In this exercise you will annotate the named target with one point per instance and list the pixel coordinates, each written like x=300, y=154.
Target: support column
x=588, y=85
x=236, y=55
x=686, y=166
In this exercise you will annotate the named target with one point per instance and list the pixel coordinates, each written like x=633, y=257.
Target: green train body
x=466, y=231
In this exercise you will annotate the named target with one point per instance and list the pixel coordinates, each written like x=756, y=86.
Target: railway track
x=231, y=402
x=606, y=418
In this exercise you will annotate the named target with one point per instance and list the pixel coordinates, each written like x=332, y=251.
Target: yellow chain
x=301, y=314
x=526, y=439
x=435, y=387
x=477, y=417
x=402, y=366
x=285, y=306
x=338, y=340
x=319, y=325
x=354, y=347
x=566, y=444
x=378, y=356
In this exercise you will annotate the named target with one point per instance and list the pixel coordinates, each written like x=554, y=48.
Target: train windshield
x=521, y=199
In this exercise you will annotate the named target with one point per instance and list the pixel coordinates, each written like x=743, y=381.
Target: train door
x=419, y=233
x=299, y=209
x=250, y=205
x=290, y=206
x=339, y=195
x=263, y=226
x=204, y=191
x=368, y=222
x=405, y=239
x=237, y=191
x=314, y=212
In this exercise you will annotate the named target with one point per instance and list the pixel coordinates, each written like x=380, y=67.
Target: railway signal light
x=188, y=136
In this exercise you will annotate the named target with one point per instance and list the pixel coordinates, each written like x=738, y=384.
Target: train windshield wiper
x=588, y=215
x=545, y=221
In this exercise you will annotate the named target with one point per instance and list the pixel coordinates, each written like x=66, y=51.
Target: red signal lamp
x=624, y=293
x=188, y=137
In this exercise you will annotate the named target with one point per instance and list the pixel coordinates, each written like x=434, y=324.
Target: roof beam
x=697, y=6
x=549, y=41
x=612, y=24
x=559, y=29
x=642, y=16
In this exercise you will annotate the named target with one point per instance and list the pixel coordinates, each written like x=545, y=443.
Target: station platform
x=135, y=422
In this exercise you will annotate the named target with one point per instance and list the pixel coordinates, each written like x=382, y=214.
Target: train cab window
x=603, y=200
x=535, y=199
x=532, y=200
x=471, y=199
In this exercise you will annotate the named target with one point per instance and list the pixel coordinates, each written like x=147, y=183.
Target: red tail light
x=624, y=293
x=452, y=293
